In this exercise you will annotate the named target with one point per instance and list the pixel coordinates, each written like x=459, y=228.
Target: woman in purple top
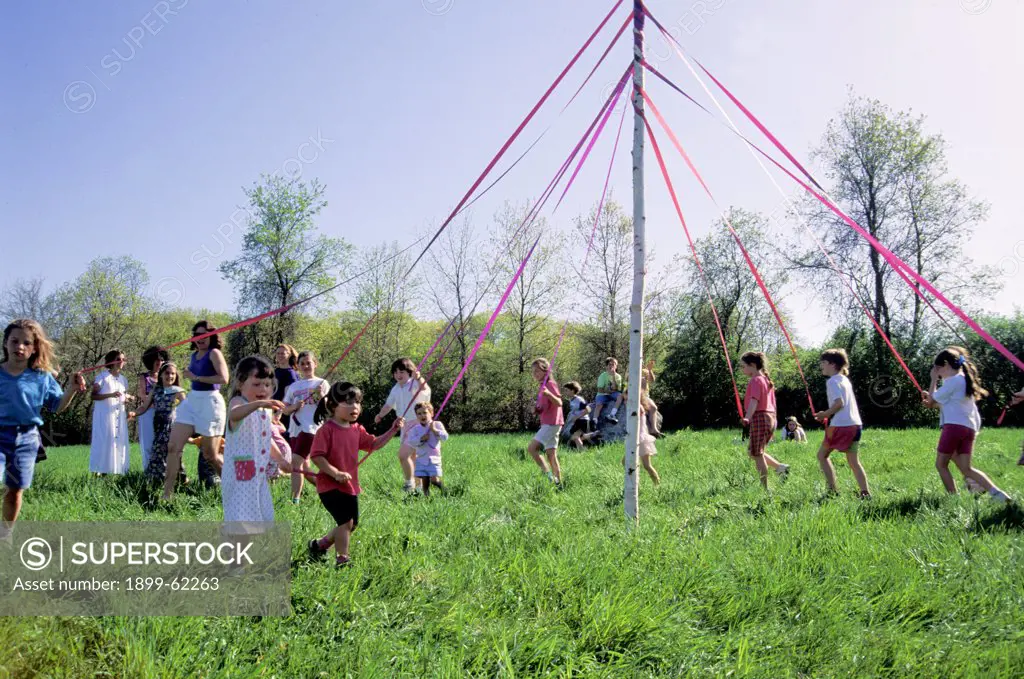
x=203, y=411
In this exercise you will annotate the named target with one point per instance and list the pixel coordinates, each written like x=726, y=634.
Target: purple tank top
x=202, y=367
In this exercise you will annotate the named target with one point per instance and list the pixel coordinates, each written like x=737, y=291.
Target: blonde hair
x=423, y=405
x=42, y=358
x=293, y=356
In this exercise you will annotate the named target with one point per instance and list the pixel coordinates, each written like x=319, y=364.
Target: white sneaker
x=999, y=496
x=783, y=471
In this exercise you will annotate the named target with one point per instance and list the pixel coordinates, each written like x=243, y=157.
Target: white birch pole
x=631, y=498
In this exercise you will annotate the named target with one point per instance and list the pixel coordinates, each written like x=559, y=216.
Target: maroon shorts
x=843, y=439
x=956, y=439
x=762, y=428
x=301, y=445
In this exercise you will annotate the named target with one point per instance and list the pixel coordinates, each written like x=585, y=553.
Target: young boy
x=844, y=429
x=609, y=390
x=577, y=424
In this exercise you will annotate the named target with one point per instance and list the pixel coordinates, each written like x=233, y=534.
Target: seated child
x=609, y=390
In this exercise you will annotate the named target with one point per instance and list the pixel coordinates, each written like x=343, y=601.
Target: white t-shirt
x=308, y=393
x=957, y=406
x=400, y=398
x=840, y=388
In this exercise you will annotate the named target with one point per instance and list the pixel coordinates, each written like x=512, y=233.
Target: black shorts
x=341, y=506
x=580, y=425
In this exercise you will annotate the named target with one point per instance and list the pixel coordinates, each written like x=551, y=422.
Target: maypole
x=636, y=305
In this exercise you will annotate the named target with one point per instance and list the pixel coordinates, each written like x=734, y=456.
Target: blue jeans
x=19, y=445
x=607, y=398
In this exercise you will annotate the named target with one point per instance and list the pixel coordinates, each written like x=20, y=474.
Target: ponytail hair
x=340, y=392
x=759, y=361
x=958, y=359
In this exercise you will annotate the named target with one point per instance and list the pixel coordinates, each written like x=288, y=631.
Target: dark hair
x=303, y=354
x=341, y=392
x=249, y=366
x=112, y=355
x=214, y=339
x=838, y=358
x=405, y=364
x=424, y=405
x=957, y=358
x=163, y=369
x=759, y=361
x=573, y=386
x=153, y=354
x=610, y=359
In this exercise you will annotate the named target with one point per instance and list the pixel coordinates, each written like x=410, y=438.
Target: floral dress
x=162, y=407
x=245, y=491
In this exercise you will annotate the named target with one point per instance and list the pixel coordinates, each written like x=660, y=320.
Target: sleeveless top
x=202, y=367
x=150, y=382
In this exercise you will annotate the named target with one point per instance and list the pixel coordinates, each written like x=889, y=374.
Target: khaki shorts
x=547, y=436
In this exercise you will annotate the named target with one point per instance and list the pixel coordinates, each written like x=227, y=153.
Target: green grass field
x=507, y=577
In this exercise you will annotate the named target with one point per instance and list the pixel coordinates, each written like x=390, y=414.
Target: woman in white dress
x=109, y=451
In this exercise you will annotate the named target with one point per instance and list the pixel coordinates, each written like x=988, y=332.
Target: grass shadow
x=1009, y=518
x=896, y=508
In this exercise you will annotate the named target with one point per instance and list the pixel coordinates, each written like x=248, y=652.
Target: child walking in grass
x=959, y=418
x=160, y=404
x=844, y=427
x=249, y=447
x=410, y=388
x=108, y=452
x=335, y=452
x=153, y=358
x=549, y=407
x=759, y=406
x=301, y=400
x=27, y=385
x=426, y=436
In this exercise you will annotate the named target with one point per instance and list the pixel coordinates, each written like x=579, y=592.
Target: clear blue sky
x=130, y=127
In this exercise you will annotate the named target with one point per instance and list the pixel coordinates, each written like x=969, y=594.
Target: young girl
x=203, y=410
x=335, y=452
x=285, y=359
x=959, y=418
x=844, y=428
x=109, y=451
x=153, y=358
x=426, y=436
x=160, y=405
x=578, y=421
x=549, y=407
x=300, y=401
x=249, y=447
x=793, y=431
x=27, y=386
x=650, y=407
x=410, y=388
x=759, y=405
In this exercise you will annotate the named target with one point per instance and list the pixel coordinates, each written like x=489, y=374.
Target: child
x=285, y=360
x=160, y=404
x=301, y=400
x=793, y=431
x=249, y=447
x=646, y=449
x=410, y=388
x=759, y=405
x=959, y=418
x=153, y=358
x=650, y=407
x=335, y=452
x=844, y=427
x=109, y=451
x=549, y=407
x=27, y=386
x=578, y=422
x=426, y=435
x=609, y=390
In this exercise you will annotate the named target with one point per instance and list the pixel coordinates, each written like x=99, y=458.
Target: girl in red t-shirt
x=759, y=406
x=335, y=452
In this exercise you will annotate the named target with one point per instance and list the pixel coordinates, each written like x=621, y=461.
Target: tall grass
x=505, y=576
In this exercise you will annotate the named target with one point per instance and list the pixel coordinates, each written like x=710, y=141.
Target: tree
x=284, y=258
x=533, y=299
x=25, y=299
x=890, y=175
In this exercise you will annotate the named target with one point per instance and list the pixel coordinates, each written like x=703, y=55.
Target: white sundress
x=108, y=453
x=245, y=492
